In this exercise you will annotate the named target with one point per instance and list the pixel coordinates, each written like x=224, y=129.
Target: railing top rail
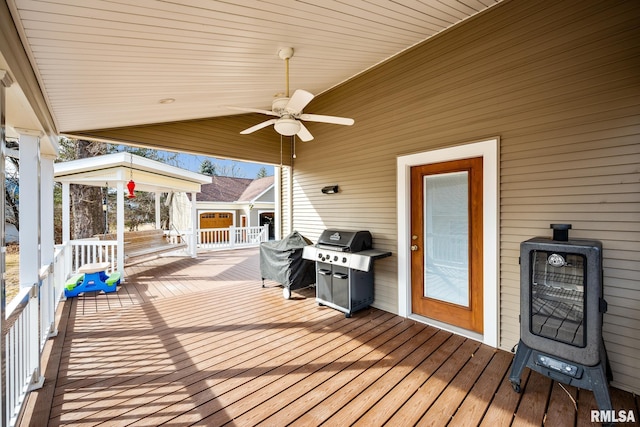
x=45, y=270
x=16, y=307
x=235, y=227
x=94, y=242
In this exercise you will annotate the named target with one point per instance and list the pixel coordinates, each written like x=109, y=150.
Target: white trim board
x=489, y=151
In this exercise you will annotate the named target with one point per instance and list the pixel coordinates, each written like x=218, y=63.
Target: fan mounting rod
x=286, y=54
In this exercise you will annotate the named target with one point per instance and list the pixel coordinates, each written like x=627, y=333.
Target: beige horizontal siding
x=605, y=205
x=285, y=196
x=559, y=83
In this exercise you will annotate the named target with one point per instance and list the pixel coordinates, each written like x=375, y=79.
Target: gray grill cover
x=282, y=262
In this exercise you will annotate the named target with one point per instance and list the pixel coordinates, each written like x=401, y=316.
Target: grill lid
x=345, y=241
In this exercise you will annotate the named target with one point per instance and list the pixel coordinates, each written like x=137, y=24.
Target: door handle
x=414, y=247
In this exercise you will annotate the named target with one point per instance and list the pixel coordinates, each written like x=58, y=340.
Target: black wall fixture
x=330, y=189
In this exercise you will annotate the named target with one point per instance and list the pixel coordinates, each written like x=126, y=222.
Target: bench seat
x=140, y=245
x=113, y=279
x=73, y=281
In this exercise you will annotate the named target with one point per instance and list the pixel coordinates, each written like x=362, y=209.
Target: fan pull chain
x=293, y=139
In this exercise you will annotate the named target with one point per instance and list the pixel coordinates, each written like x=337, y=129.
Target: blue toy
x=91, y=282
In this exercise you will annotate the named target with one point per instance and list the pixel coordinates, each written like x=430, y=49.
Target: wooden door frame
x=489, y=151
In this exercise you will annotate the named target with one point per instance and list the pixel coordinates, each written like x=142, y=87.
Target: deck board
x=452, y=397
x=532, y=407
x=382, y=384
x=349, y=400
x=201, y=342
x=562, y=410
x=395, y=398
x=414, y=408
x=476, y=402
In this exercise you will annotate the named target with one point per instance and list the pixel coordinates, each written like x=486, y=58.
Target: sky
x=242, y=169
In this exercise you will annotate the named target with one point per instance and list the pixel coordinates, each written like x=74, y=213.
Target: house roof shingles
x=230, y=189
x=256, y=188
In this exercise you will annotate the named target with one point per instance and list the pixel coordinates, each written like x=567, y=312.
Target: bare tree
x=87, y=216
x=11, y=188
x=207, y=167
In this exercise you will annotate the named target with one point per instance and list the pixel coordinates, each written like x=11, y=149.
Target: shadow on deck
x=199, y=341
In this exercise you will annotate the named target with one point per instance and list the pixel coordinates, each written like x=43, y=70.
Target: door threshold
x=447, y=327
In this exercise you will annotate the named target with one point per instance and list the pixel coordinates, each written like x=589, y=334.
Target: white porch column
x=30, y=249
x=120, y=227
x=278, y=202
x=157, y=198
x=66, y=225
x=47, y=237
x=29, y=207
x=66, y=212
x=5, y=82
x=194, y=226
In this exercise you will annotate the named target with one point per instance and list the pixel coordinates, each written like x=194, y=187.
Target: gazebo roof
x=149, y=175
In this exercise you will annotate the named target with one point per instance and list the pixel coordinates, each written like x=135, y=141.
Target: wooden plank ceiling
x=108, y=63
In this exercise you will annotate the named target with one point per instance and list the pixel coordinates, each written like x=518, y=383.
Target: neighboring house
x=228, y=201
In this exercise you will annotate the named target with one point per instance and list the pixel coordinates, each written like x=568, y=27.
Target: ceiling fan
x=288, y=110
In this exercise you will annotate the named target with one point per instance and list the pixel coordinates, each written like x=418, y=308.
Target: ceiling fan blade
x=298, y=101
x=259, y=126
x=327, y=119
x=304, y=133
x=254, y=110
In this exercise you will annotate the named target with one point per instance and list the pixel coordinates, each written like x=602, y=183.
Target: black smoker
x=561, y=309
x=344, y=269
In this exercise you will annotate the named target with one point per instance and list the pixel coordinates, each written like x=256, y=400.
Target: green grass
x=12, y=276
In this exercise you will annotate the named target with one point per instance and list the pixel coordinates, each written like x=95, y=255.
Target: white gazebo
x=115, y=171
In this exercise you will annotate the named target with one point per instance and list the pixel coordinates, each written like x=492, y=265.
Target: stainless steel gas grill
x=344, y=269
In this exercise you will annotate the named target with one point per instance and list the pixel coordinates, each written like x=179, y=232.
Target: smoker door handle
x=324, y=272
x=340, y=276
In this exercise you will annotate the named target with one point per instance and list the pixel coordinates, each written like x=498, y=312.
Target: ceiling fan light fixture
x=289, y=110
x=287, y=127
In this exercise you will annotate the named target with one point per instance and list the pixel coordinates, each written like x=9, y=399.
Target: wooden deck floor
x=200, y=342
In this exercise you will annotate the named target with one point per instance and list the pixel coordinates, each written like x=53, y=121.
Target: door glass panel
x=446, y=233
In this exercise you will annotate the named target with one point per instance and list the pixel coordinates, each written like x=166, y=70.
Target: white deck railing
x=87, y=251
x=30, y=322
x=232, y=237
x=30, y=317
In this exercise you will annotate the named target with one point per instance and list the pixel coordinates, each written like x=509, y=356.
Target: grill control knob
x=344, y=259
x=335, y=257
x=320, y=256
